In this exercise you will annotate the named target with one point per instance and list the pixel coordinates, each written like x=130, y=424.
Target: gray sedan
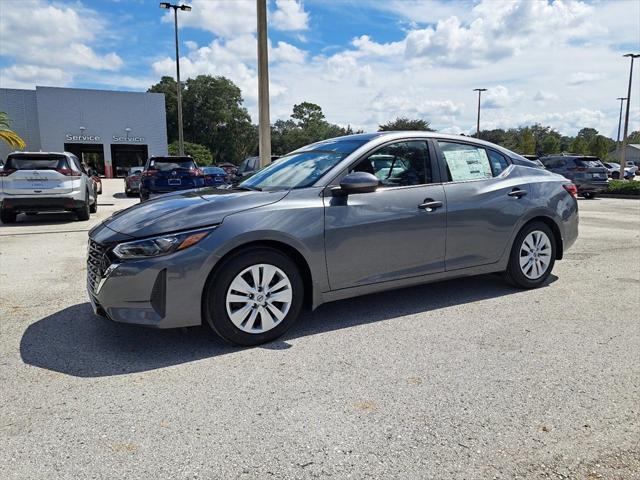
x=326, y=222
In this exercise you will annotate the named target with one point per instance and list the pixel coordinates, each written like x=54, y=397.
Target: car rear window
x=588, y=162
x=171, y=164
x=24, y=162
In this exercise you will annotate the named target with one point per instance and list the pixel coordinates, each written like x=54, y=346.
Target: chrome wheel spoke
x=275, y=311
x=252, y=319
x=239, y=284
x=255, y=275
x=234, y=298
x=267, y=276
x=266, y=319
x=535, y=255
x=283, y=296
x=238, y=317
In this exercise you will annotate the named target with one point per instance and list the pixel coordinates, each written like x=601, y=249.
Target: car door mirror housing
x=357, y=182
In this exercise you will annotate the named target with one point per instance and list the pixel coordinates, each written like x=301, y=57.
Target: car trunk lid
x=38, y=174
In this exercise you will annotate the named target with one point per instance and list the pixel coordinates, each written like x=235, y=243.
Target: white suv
x=32, y=182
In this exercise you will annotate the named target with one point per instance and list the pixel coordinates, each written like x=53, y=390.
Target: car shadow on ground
x=76, y=342
x=49, y=218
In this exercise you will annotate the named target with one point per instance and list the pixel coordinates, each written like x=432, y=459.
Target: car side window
x=498, y=162
x=399, y=164
x=465, y=162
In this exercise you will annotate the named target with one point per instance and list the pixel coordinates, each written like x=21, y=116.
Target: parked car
x=319, y=225
x=249, y=166
x=214, y=176
x=169, y=174
x=33, y=182
x=132, y=181
x=632, y=166
x=613, y=170
x=230, y=168
x=586, y=172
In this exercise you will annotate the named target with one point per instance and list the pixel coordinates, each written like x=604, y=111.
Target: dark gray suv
x=339, y=218
x=586, y=172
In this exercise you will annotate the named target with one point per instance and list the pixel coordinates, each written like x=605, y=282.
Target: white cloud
x=542, y=96
x=232, y=18
x=500, y=97
x=578, y=78
x=285, y=52
x=51, y=43
x=289, y=16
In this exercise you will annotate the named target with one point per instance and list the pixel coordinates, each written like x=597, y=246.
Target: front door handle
x=517, y=193
x=430, y=205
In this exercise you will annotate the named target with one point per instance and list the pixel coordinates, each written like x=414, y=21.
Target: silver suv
x=32, y=182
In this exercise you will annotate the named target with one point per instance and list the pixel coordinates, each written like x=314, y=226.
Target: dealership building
x=110, y=130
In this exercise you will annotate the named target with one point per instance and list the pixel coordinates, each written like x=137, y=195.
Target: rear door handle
x=517, y=193
x=429, y=205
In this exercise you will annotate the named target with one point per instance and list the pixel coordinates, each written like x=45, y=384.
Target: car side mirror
x=357, y=182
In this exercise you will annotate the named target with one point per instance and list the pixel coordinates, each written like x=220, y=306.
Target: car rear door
x=39, y=174
x=485, y=200
x=389, y=234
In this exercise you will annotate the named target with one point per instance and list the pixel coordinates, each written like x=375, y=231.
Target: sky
x=365, y=62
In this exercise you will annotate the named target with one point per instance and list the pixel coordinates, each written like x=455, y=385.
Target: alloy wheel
x=535, y=255
x=259, y=298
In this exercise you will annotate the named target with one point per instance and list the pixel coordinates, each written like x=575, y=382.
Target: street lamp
x=622, y=99
x=626, y=115
x=479, y=90
x=184, y=8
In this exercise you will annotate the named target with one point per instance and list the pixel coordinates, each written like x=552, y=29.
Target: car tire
x=615, y=175
x=588, y=195
x=533, y=249
x=8, y=216
x=93, y=208
x=254, y=319
x=84, y=213
x=144, y=196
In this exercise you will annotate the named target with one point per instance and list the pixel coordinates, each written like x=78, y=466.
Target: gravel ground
x=465, y=379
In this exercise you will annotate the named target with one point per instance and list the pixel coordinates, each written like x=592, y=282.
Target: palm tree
x=9, y=136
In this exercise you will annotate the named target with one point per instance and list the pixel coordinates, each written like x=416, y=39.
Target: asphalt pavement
x=466, y=379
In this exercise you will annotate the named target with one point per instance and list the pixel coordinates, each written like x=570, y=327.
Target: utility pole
x=479, y=90
x=264, y=124
x=622, y=99
x=184, y=8
x=626, y=115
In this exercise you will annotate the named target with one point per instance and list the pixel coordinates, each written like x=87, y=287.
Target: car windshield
x=303, y=167
x=171, y=164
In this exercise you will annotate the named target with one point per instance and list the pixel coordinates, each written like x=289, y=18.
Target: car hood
x=187, y=209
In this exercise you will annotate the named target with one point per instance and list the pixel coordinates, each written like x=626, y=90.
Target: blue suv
x=169, y=174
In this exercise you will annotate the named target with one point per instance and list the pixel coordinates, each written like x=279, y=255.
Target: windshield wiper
x=244, y=187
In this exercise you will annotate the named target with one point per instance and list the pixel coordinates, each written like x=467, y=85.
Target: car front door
x=388, y=234
x=485, y=200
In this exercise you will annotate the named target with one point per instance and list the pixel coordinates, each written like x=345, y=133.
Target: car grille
x=97, y=263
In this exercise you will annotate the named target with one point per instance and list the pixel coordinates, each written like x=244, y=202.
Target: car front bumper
x=161, y=292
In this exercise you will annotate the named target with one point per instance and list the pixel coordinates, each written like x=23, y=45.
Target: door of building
x=123, y=157
x=92, y=154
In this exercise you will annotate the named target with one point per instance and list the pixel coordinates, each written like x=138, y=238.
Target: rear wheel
x=83, y=213
x=532, y=256
x=8, y=216
x=254, y=298
x=588, y=195
x=93, y=208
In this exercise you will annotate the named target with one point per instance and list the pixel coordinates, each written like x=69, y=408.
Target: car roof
x=171, y=157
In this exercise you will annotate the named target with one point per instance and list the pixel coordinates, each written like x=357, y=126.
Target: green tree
x=579, y=145
x=526, y=142
x=200, y=153
x=306, y=125
x=634, y=137
x=600, y=146
x=403, y=123
x=549, y=145
x=587, y=134
x=167, y=85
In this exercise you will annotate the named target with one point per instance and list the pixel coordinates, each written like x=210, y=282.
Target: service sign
x=69, y=137
x=129, y=139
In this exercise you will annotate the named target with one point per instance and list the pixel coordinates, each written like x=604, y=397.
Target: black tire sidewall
x=515, y=274
x=83, y=213
x=214, y=299
x=8, y=216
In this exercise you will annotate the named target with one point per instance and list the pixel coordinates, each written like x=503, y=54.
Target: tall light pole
x=626, y=115
x=184, y=8
x=264, y=124
x=622, y=99
x=479, y=90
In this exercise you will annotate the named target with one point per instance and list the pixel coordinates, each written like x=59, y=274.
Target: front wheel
x=532, y=256
x=254, y=298
x=8, y=216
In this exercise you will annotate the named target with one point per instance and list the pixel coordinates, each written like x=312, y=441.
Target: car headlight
x=160, y=245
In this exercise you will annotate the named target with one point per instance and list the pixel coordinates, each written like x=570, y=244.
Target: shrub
x=200, y=153
x=624, y=187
